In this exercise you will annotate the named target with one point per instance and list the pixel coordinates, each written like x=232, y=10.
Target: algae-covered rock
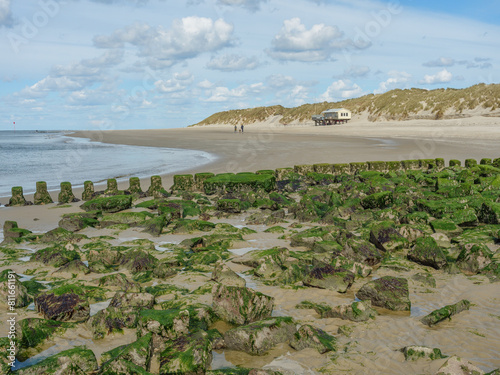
x=445, y=312
x=416, y=352
x=7, y=354
x=458, y=366
x=226, y=276
x=120, y=281
x=389, y=292
x=32, y=332
x=190, y=354
x=76, y=361
x=12, y=233
x=156, y=188
x=112, y=187
x=56, y=256
x=329, y=277
x=136, y=300
x=155, y=225
x=385, y=237
x=382, y=199
x=112, y=319
x=66, y=194
x=359, y=311
x=42, y=196
x=168, y=324
x=108, y=204
x=233, y=206
x=473, y=258
x=242, y=182
x=183, y=182
x=258, y=337
x=138, y=261
x=446, y=226
x=138, y=353
x=88, y=190
x=135, y=187
x=17, y=198
x=240, y=305
x=74, y=267
x=427, y=252
x=12, y=292
x=490, y=213
x=77, y=221
x=308, y=336
x=64, y=307
x=425, y=278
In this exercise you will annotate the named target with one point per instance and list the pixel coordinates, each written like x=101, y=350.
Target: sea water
x=54, y=157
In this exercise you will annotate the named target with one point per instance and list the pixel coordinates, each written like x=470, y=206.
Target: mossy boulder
x=74, y=267
x=9, y=280
x=233, y=206
x=12, y=233
x=445, y=312
x=473, y=258
x=388, y=292
x=308, y=336
x=138, y=261
x=381, y=200
x=112, y=319
x=427, y=252
x=108, y=204
x=446, y=226
x=120, y=281
x=359, y=311
x=32, y=332
x=490, y=213
x=183, y=182
x=386, y=237
x=112, y=187
x=226, y=276
x=88, y=191
x=228, y=183
x=415, y=352
x=55, y=256
x=134, y=187
x=42, y=196
x=134, y=300
x=66, y=194
x=17, y=198
x=168, y=324
x=78, y=360
x=64, y=307
x=77, y=221
x=138, y=354
x=240, y=305
x=329, y=277
x=61, y=235
x=259, y=337
x=190, y=354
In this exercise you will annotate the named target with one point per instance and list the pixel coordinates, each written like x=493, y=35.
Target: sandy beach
x=373, y=344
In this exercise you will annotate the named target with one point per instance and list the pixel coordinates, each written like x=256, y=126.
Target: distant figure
x=235, y=128
x=242, y=127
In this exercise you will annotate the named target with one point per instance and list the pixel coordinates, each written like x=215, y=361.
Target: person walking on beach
x=235, y=128
x=242, y=128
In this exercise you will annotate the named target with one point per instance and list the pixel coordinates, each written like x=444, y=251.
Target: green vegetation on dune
x=393, y=105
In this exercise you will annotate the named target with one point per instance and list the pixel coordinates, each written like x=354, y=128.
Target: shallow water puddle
x=96, y=307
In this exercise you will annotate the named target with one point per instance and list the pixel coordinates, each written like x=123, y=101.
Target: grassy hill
x=392, y=105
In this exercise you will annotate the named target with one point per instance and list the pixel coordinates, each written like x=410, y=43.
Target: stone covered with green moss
x=156, y=188
x=427, y=252
x=242, y=182
x=259, y=337
x=128, y=357
x=64, y=307
x=415, y=352
x=445, y=312
x=308, y=336
x=183, y=182
x=134, y=187
x=42, y=196
x=240, y=305
x=66, y=194
x=17, y=198
x=329, y=277
x=389, y=292
x=108, y=204
x=88, y=191
x=78, y=360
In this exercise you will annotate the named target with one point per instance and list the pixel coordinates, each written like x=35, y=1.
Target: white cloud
x=443, y=76
x=179, y=82
x=340, y=90
x=395, y=80
x=296, y=42
x=5, y=13
x=356, y=71
x=224, y=94
x=187, y=38
x=232, y=63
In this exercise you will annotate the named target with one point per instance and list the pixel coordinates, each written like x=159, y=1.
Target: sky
x=133, y=64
